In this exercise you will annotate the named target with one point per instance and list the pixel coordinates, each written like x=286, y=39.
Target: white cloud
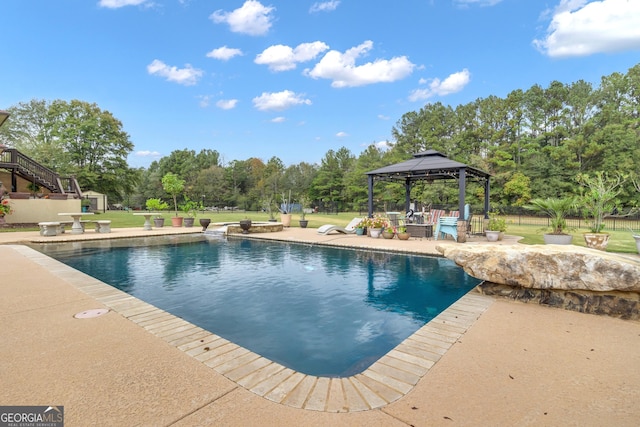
x=452, y=84
x=326, y=6
x=224, y=53
x=281, y=58
x=342, y=68
x=477, y=2
x=383, y=145
x=278, y=120
x=187, y=76
x=251, y=18
x=115, y=4
x=279, y=100
x=227, y=104
x=147, y=153
x=383, y=117
x=342, y=134
x=204, y=101
x=581, y=28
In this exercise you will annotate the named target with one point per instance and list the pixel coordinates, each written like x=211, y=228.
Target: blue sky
x=294, y=79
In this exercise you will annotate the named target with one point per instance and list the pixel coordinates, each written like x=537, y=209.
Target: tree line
x=533, y=142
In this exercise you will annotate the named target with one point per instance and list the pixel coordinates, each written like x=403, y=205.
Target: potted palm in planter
x=157, y=205
x=285, y=213
x=557, y=209
x=174, y=185
x=598, y=199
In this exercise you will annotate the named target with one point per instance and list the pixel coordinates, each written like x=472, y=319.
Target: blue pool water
x=318, y=310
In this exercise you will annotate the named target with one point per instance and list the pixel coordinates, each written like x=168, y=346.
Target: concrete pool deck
x=517, y=364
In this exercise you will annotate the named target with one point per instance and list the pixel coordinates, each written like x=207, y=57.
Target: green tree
x=173, y=185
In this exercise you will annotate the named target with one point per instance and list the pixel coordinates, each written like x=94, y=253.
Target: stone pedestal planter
x=596, y=240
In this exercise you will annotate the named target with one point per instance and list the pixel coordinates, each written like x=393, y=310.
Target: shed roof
x=427, y=165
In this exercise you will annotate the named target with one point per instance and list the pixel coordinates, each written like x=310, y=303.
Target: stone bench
x=101, y=226
x=49, y=228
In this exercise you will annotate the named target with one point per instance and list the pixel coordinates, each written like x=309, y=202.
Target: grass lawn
x=620, y=241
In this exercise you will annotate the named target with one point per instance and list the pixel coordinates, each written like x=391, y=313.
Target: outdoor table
x=147, y=219
x=76, y=228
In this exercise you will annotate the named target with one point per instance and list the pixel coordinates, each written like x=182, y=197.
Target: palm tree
x=556, y=208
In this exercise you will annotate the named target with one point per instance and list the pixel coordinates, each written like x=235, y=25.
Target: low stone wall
x=567, y=276
x=624, y=305
x=256, y=227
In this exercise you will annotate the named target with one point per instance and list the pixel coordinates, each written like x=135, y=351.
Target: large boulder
x=547, y=267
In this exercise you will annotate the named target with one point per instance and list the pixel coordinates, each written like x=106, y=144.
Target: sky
x=295, y=79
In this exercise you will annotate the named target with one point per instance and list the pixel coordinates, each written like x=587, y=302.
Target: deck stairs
x=25, y=167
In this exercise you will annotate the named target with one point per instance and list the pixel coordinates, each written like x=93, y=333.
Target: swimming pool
x=318, y=310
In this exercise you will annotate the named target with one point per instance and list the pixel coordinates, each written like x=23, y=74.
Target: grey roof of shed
x=427, y=165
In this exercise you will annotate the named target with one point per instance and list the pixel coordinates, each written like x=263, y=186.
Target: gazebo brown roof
x=430, y=165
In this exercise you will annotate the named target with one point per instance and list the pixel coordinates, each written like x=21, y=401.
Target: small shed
x=99, y=202
x=430, y=165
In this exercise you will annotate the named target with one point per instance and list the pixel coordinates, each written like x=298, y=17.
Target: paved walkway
x=516, y=364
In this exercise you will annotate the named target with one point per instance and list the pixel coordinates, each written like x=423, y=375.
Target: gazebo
x=430, y=165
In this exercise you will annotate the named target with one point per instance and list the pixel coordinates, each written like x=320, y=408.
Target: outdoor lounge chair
x=349, y=229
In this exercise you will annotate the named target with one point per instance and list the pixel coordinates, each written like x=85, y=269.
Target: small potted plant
x=190, y=209
x=157, y=205
x=5, y=209
x=388, y=232
x=402, y=232
x=496, y=226
x=35, y=189
x=557, y=209
x=85, y=204
x=361, y=228
x=377, y=224
x=598, y=199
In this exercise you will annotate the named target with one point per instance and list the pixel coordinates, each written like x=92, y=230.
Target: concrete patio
x=517, y=364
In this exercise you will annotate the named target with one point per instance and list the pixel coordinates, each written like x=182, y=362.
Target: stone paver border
x=387, y=380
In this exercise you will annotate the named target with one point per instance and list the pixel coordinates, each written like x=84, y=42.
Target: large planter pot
x=596, y=240
x=204, y=222
x=375, y=232
x=19, y=195
x=176, y=221
x=304, y=223
x=637, y=239
x=285, y=219
x=245, y=224
x=188, y=222
x=557, y=239
x=56, y=196
x=158, y=222
x=492, y=236
x=404, y=236
x=388, y=235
